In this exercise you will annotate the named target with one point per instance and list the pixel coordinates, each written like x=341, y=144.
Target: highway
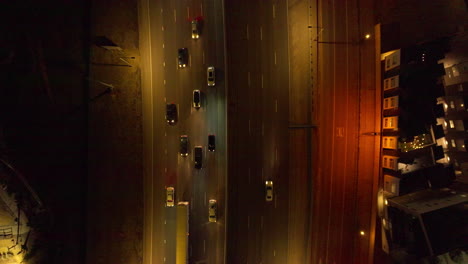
x=257, y=59
x=344, y=175
x=293, y=97
x=170, y=29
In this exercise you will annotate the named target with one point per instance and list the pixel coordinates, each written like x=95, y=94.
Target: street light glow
x=362, y=233
x=367, y=36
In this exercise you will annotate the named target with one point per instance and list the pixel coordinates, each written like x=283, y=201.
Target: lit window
x=455, y=71
x=445, y=123
x=452, y=125
x=453, y=143
x=452, y=105
x=445, y=106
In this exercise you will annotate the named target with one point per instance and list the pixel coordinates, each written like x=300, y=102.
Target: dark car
x=198, y=157
x=183, y=57
x=171, y=114
x=211, y=142
x=196, y=99
x=184, y=145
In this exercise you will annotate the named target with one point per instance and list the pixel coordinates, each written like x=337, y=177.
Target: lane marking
x=164, y=64
x=274, y=11
x=175, y=16
x=162, y=28
x=190, y=60
x=204, y=245
x=164, y=259
x=262, y=80
x=165, y=222
x=275, y=57
x=161, y=10
x=165, y=99
x=274, y=253
x=340, y=131
x=164, y=241
x=163, y=46
x=165, y=169
x=164, y=84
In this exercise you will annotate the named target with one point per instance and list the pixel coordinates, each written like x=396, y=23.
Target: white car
x=269, y=191
x=210, y=76
x=170, y=196
x=195, y=31
x=212, y=208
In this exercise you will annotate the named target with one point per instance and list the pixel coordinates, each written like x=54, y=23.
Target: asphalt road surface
x=170, y=29
x=286, y=107
x=345, y=161
x=257, y=59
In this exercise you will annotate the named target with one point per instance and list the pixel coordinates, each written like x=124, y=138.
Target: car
x=210, y=76
x=195, y=30
x=198, y=152
x=182, y=57
x=269, y=191
x=184, y=145
x=196, y=99
x=171, y=113
x=212, y=210
x=170, y=196
x=211, y=142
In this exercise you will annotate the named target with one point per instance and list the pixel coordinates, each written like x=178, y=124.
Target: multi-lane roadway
x=169, y=30
x=257, y=63
x=291, y=77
